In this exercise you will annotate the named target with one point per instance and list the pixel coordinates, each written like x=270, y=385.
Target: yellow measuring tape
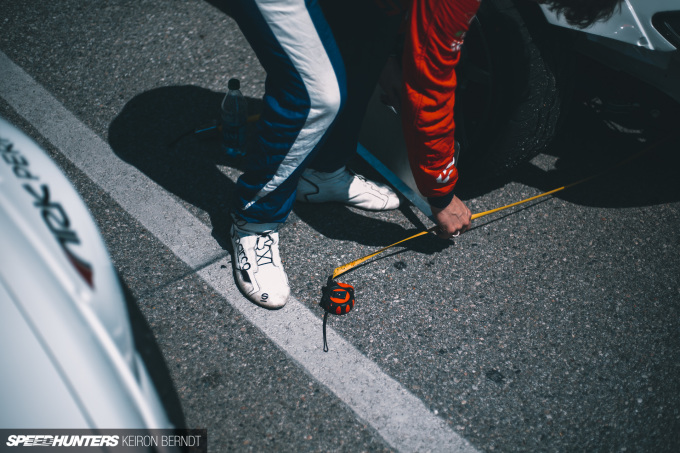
x=346, y=267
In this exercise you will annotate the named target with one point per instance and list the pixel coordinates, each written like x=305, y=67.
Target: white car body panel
x=67, y=348
x=631, y=24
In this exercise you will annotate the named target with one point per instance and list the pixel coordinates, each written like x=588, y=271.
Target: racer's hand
x=453, y=219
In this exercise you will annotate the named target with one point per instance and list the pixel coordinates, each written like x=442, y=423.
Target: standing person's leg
x=366, y=32
x=304, y=91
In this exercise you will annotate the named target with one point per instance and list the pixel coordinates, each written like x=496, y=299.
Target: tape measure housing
x=337, y=298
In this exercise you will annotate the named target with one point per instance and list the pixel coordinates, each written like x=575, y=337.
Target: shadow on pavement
x=336, y=221
x=154, y=133
x=606, y=124
x=151, y=355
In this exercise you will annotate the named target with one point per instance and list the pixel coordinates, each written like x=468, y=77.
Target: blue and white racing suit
x=304, y=92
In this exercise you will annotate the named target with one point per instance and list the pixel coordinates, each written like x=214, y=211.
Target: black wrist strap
x=325, y=343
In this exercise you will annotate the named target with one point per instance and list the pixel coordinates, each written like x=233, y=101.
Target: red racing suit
x=434, y=36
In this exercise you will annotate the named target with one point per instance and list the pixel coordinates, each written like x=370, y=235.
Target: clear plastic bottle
x=234, y=117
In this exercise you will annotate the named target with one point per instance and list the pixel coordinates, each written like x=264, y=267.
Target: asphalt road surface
x=554, y=327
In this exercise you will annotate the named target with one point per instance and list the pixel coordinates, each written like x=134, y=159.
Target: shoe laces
x=263, y=249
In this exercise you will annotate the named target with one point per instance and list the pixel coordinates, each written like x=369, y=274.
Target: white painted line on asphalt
x=402, y=419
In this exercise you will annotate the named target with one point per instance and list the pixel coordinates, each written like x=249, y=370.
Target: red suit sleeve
x=431, y=52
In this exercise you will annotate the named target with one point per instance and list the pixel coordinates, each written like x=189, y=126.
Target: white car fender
x=68, y=352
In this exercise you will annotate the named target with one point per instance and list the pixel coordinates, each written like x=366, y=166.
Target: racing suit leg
x=366, y=32
x=304, y=91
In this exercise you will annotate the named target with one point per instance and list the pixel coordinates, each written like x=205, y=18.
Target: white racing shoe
x=345, y=187
x=257, y=264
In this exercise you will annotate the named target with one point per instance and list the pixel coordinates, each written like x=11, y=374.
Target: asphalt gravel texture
x=550, y=327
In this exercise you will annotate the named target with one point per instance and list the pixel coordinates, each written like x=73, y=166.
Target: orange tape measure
x=337, y=299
